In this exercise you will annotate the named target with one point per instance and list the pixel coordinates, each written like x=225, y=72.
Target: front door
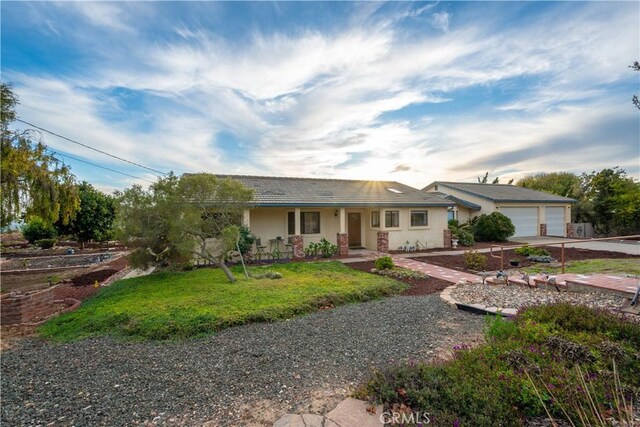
x=354, y=229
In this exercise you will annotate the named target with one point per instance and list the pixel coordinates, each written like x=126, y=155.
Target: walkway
x=447, y=274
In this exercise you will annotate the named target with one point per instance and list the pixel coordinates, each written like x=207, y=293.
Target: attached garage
x=525, y=220
x=554, y=216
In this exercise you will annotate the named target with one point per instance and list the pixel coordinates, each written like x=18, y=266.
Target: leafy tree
x=33, y=182
x=494, y=227
x=94, y=219
x=634, y=99
x=613, y=201
x=564, y=184
x=177, y=218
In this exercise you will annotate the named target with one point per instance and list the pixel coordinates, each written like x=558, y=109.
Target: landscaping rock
x=246, y=375
x=354, y=412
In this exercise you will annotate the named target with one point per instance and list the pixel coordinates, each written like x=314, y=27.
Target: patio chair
x=259, y=248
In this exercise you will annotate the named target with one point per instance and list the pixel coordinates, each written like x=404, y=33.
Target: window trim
x=377, y=213
x=426, y=218
x=391, y=212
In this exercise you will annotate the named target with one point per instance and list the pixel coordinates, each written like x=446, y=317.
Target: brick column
x=383, y=241
x=543, y=229
x=343, y=243
x=447, y=238
x=297, y=246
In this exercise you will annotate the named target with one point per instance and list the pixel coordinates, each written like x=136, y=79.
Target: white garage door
x=524, y=219
x=555, y=221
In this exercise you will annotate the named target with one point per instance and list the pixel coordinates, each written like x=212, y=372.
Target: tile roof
x=502, y=192
x=273, y=191
x=458, y=201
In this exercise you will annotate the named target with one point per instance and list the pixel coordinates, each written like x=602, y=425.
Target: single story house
x=533, y=213
x=375, y=215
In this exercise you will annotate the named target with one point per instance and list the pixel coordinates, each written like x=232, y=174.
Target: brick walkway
x=438, y=272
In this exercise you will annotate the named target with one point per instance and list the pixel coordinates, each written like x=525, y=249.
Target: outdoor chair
x=259, y=248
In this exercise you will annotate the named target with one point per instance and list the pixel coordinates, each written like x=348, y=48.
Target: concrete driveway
x=627, y=247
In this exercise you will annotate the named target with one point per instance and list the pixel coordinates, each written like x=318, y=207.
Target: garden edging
x=445, y=295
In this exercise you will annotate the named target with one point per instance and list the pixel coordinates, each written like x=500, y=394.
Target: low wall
x=26, y=307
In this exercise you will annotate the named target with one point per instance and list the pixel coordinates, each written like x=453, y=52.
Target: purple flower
x=456, y=423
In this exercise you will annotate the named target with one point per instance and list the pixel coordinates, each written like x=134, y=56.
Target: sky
x=405, y=91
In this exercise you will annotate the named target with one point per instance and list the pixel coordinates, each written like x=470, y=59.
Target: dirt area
x=418, y=286
x=456, y=262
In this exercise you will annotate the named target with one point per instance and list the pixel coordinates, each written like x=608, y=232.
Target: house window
x=419, y=219
x=392, y=219
x=310, y=222
x=375, y=219
x=291, y=223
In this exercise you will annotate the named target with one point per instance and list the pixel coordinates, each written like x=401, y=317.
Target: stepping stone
x=313, y=420
x=290, y=420
x=353, y=412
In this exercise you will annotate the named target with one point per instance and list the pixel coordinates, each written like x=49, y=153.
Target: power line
x=97, y=166
x=90, y=148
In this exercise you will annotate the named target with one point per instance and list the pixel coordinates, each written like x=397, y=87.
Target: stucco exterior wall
x=269, y=223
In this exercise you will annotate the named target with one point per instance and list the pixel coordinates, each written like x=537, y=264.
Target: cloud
x=357, y=101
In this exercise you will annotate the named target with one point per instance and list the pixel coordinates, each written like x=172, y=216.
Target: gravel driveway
x=248, y=375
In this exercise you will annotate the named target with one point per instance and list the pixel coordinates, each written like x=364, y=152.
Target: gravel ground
x=515, y=296
x=248, y=375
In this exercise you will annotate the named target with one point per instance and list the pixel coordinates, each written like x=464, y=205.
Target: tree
x=634, y=99
x=496, y=180
x=564, y=184
x=33, y=182
x=194, y=215
x=94, y=219
x=614, y=202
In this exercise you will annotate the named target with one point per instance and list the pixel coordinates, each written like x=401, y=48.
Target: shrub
x=540, y=258
x=465, y=238
x=528, y=250
x=475, y=261
x=246, y=239
x=493, y=228
x=402, y=273
x=46, y=243
x=384, y=263
x=37, y=229
x=326, y=248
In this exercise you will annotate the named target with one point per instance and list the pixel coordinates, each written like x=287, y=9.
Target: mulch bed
x=477, y=245
x=456, y=262
x=418, y=286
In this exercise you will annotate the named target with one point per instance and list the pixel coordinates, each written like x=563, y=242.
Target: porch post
x=246, y=218
x=343, y=221
x=297, y=221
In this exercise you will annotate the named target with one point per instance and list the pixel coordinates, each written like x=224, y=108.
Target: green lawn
x=185, y=304
x=593, y=266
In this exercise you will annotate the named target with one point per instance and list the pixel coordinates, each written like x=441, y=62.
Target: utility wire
x=98, y=166
x=89, y=147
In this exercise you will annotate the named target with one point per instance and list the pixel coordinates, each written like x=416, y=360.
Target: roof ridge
x=311, y=179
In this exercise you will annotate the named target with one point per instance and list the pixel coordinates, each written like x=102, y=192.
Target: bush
x=465, y=238
x=475, y=261
x=46, y=243
x=246, y=239
x=37, y=229
x=384, y=263
x=402, y=273
x=528, y=250
x=493, y=228
x=540, y=258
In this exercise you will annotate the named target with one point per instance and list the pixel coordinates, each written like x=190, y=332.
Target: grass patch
x=556, y=356
x=592, y=266
x=172, y=305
